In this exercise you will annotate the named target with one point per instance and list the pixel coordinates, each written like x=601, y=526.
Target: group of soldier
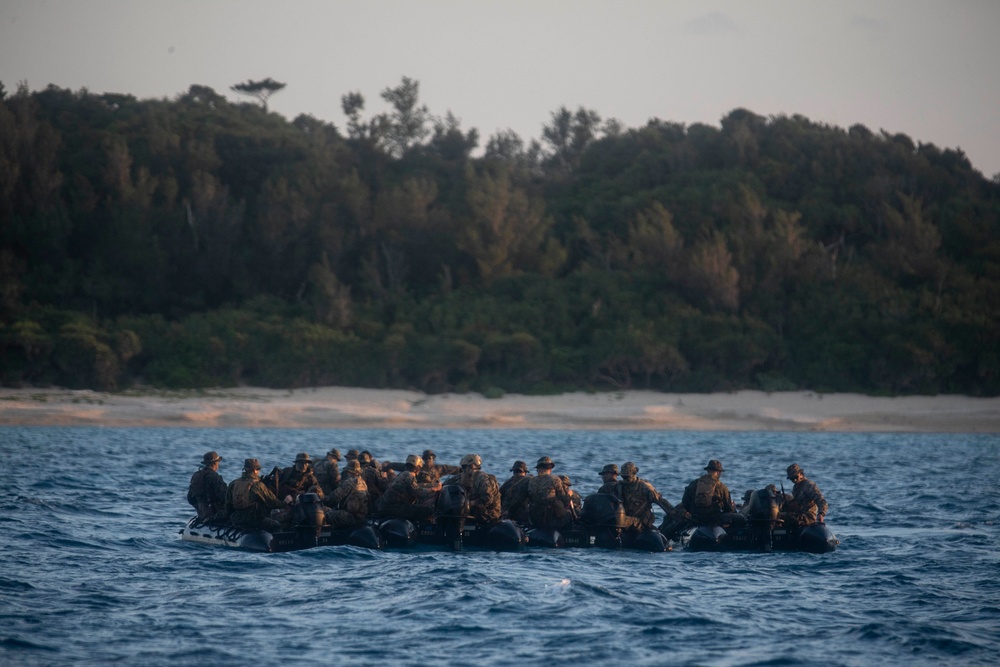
x=365, y=488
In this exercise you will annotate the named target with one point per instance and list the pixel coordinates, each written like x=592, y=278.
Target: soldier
x=574, y=497
x=637, y=497
x=806, y=505
x=298, y=478
x=544, y=497
x=349, y=501
x=375, y=479
x=481, y=489
x=706, y=500
x=327, y=472
x=519, y=477
x=249, y=501
x=207, y=491
x=404, y=497
x=438, y=470
x=609, y=475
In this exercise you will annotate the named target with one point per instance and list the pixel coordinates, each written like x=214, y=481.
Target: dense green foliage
x=196, y=242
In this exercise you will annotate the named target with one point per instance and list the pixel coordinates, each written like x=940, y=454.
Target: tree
x=262, y=90
x=407, y=124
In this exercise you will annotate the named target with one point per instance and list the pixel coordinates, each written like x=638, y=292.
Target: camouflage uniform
x=706, y=499
x=249, y=503
x=637, y=497
x=374, y=479
x=207, y=492
x=327, y=472
x=404, y=496
x=293, y=481
x=574, y=497
x=483, y=492
x=349, y=501
x=610, y=487
x=513, y=498
x=807, y=501
x=547, y=502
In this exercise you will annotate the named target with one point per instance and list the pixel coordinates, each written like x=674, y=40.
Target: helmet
x=519, y=466
x=251, y=464
x=210, y=458
x=352, y=467
x=302, y=456
x=334, y=454
x=611, y=468
x=714, y=465
x=565, y=480
x=471, y=460
x=794, y=470
x=415, y=461
x=630, y=470
x=429, y=454
x=545, y=462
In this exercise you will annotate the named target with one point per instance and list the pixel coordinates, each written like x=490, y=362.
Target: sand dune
x=341, y=407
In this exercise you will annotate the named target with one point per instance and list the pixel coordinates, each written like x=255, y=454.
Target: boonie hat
x=251, y=464
x=610, y=468
x=334, y=454
x=302, y=456
x=793, y=470
x=545, y=462
x=714, y=465
x=352, y=454
x=630, y=469
x=429, y=454
x=211, y=457
x=519, y=466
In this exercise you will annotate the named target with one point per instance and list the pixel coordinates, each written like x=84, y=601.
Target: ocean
x=93, y=572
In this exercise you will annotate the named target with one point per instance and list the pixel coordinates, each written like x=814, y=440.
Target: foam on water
x=93, y=571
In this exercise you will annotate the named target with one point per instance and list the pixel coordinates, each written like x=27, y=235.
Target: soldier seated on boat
x=806, y=504
x=762, y=504
x=249, y=502
x=574, y=497
x=549, y=506
x=327, y=471
x=609, y=479
x=297, y=478
x=375, y=479
x=207, y=490
x=481, y=489
x=348, y=504
x=518, y=475
x=638, y=497
x=404, y=497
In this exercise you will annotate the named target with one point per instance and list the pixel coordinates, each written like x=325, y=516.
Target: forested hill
x=197, y=242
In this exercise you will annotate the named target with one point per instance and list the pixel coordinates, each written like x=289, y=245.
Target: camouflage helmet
x=715, y=465
x=334, y=454
x=519, y=466
x=610, y=469
x=415, y=461
x=210, y=458
x=429, y=454
x=545, y=462
x=351, y=454
x=251, y=464
x=352, y=467
x=630, y=469
x=471, y=460
x=793, y=470
x=302, y=457
x=566, y=480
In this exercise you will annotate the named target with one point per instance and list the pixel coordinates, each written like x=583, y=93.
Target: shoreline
x=345, y=407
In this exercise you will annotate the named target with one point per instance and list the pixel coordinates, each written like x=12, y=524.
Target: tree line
x=196, y=242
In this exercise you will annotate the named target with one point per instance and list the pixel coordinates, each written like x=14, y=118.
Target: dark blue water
x=92, y=570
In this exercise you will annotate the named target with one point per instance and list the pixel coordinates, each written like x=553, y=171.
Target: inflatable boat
x=761, y=536
x=286, y=540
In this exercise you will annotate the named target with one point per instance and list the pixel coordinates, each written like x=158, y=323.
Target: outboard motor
x=541, y=537
x=452, y=507
x=818, y=539
x=706, y=538
x=650, y=540
x=398, y=533
x=308, y=515
x=603, y=510
x=506, y=536
x=366, y=537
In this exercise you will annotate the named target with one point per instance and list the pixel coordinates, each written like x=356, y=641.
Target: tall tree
x=262, y=90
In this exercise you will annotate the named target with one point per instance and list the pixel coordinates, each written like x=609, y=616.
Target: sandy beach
x=342, y=407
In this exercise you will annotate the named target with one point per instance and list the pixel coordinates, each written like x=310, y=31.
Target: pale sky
x=928, y=69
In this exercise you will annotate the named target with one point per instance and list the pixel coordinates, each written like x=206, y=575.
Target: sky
x=926, y=68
